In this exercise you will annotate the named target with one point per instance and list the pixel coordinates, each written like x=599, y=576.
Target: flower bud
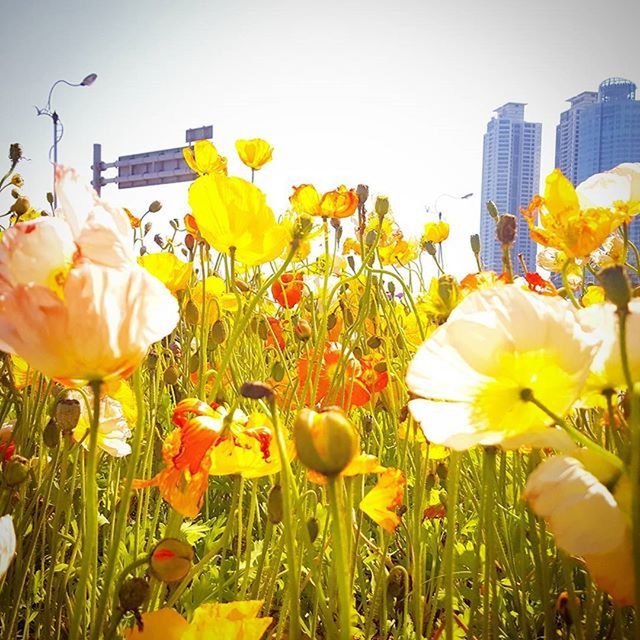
x=170, y=375
x=20, y=206
x=67, y=414
x=362, y=191
x=189, y=241
x=325, y=442
x=616, y=286
x=430, y=248
x=313, y=529
x=155, y=206
x=133, y=594
x=191, y=314
x=256, y=390
x=302, y=330
x=493, y=210
x=382, y=206
x=475, y=243
x=275, y=508
x=15, y=153
x=506, y=229
x=15, y=471
x=219, y=332
x=170, y=560
x=51, y=434
x=50, y=197
x=17, y=180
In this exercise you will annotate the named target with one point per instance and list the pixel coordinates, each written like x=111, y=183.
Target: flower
x=233, y=217
x=167, y=624
x=593, y=294
x=254, y=153
x=587, y=520
x=7, y=543
x=213, y=621
x=372, y=379
x=113, y=427
x=100, y=328
x=339, y=203
x=204, y=158
x=7, y=443
x=381, y=502
x=287, y=289
x=551, y=259
x=435, y=232
x=186, y=453
x=472, y=376
x=174, y=273
x=606, y=369
x=216, y=297
x=564, y=224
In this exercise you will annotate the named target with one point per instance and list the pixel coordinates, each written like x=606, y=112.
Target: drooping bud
x=170, y=375
x=302, y=330
x=20, y=206
x=51, y=434
x=325, y=442
x=133, y=594
x=171, y=560
x=275, y=508
x=256, y=390
x=191, y=314
x=430, y=248
x=313, y=529
x=155, y=206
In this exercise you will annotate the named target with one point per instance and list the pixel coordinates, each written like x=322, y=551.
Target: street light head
x=468, y=195
x=89, y=80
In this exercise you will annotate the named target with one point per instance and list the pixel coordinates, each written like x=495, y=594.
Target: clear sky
x=393, y=94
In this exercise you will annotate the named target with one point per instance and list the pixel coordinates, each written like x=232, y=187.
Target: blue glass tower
x=510, y=177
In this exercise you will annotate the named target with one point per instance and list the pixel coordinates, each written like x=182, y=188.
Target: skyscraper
x=510, y=177
x=599, y=131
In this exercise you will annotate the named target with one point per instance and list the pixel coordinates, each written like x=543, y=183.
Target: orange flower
x=373, y=379
x=381, y=502
x=564, y=225
x=185, y=451
x=275, y=334
x=332, y=362
x=287, y=289
x=339, y=203
x=133, y=220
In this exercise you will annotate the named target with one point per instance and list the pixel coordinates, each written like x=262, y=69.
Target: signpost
x=149, y=168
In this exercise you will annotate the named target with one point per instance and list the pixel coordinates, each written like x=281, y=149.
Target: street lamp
x=58, y=129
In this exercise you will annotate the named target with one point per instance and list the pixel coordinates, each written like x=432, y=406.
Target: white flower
x=471, y=373
x=7, y=543
x=622, y=183
x=551, y=259
x=586, y=520
x=606, y=368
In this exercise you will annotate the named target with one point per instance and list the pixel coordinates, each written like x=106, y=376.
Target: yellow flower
x=174, y=273
x=228, y=621
x=254, y=153
x=163, y=624
x=435, y=232
x=204, y=158
x=587, y=520
x=339, y=203
x=593, y=295
x=564, y=224
x=398, y=251
x=381, y=502
x=216, y=297
x=473, y=375
x=233, y=216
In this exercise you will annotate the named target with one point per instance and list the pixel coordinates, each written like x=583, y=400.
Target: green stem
x=449, y=560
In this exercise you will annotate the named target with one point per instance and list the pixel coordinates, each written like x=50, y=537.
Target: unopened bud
x=362, y=190
x=133, y=594
x=219, y=332
x=475, y=243
x=382, y=206
x=15, y=471
x=189, y=241
x=430, y=248
x=313, y=529
x=302, y=330
x=275, y=507
x=493, y=210
x=325, y=442
x=51, y=434
x=158, y=240
x=50, y=197
x=191, y=314
x=256, y=390
x=146, y=228
x=506, y=229
x=170, y=560
x=170, y=376
x=67, y=414
x=15, y=153
x=617, y=287
x=155, y=206
x=20, y=206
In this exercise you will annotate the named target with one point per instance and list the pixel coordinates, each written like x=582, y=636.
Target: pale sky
x=393, y=94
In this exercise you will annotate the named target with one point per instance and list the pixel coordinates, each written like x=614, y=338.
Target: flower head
x=254, y=153
x=381, y=502
x=339, y=203
x=174, y=273
x=435, y=232
x=204, y=158
x=233, y=217
x=287, y=289
x=472, y=376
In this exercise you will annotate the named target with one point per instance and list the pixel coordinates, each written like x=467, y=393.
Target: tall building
x=599, y=131
x=510, y=177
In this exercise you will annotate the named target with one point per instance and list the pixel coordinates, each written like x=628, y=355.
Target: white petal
x=7, y=543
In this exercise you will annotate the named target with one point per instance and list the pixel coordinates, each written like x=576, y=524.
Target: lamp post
x=58, y=129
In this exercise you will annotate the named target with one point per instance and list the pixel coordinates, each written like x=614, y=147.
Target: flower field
x=298, y=425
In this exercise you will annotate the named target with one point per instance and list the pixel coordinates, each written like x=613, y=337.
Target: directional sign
x=149, y=168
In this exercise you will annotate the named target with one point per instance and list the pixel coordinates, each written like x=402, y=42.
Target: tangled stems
x=286, y=477
x=90, y=547
x=449, y=561
x=341, y=571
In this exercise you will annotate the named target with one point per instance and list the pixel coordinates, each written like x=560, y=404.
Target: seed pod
x=67, y=414
x=506, y=229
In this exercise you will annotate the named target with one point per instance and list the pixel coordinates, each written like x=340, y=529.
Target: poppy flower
x=175, y=274
x=287, y=289
x=435, y=232
x=255, y=153
x=381, y=502
x=204, y=158
x=339, y=203
x=472, y=376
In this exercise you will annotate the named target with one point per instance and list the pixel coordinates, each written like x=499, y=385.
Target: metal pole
x=97, y=168
x=54, y=117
